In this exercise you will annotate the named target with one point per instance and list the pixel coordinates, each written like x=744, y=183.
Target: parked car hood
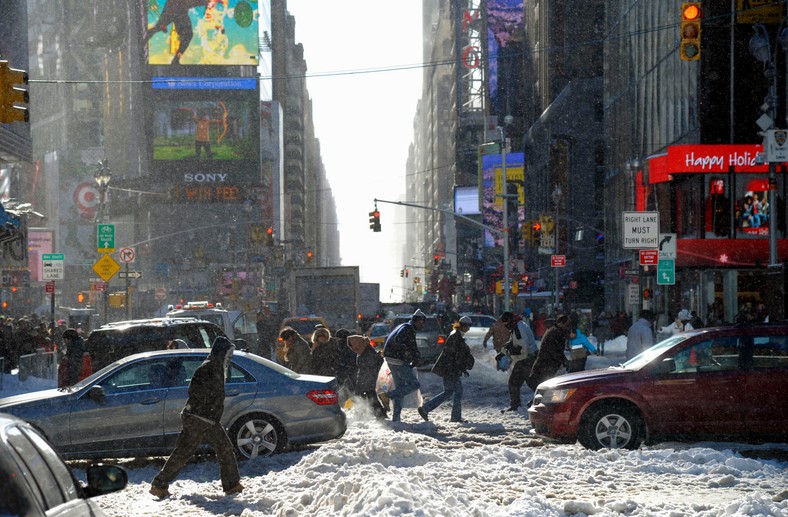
x=587, y=375
x=49, y=396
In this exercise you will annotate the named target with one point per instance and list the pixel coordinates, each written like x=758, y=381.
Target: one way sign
x=667, y=246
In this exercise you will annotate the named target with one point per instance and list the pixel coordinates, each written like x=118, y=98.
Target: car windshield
x=645, y=357
x=379, y=330
x=303, y=326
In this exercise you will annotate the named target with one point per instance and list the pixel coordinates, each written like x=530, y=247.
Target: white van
x=236, y=324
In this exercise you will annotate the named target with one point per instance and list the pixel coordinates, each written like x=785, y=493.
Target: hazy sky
x=364, y=119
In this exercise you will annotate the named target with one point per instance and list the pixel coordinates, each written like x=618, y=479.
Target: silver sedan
x=132, y=407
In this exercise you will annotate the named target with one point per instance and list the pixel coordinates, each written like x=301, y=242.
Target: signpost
x=105, y=238
x=648, y=257
x=52, y=268
x=52, y=265
x=640, y=230
x=666, y=272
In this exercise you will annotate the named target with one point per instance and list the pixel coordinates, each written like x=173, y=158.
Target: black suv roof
x=113, y=341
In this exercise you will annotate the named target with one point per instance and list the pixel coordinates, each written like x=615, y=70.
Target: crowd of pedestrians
x=27, y=335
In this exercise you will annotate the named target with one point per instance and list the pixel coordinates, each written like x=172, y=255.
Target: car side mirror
x=667, y=365
x=96, y=394
x=105, y=479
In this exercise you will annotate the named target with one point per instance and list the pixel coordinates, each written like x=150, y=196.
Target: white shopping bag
x=385, y=383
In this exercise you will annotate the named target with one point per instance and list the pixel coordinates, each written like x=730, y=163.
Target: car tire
x=257, y=435
x=611, y=426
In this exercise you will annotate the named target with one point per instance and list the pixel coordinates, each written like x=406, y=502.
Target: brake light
x=323, y=397
x=441, y=340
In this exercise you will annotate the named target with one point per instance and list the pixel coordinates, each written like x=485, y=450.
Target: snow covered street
x=490, y=465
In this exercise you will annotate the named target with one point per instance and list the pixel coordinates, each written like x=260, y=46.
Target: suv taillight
x=441, y=340
x=323, y=397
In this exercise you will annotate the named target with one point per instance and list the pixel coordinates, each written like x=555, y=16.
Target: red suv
x=720, y=383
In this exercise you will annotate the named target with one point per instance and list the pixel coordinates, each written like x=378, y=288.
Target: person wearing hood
x=201, y=423
x=297, y=350
x=681, y=324
x=454, y=362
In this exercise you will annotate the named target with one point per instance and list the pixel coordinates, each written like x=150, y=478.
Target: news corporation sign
x=640, y=230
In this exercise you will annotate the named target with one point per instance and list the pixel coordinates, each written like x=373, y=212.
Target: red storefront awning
x=727, y=252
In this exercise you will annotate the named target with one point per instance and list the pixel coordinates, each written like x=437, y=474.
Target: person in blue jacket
x=579, y=347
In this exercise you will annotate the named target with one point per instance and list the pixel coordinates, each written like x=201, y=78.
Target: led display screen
x=216, y=130
x=202, y=32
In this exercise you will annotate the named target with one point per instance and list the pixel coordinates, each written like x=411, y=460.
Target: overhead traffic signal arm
x=13, y=94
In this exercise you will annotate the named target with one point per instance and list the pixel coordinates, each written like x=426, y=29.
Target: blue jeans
x=405, y=382
x=452, y=387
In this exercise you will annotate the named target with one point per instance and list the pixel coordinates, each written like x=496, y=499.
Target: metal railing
x=42, y=365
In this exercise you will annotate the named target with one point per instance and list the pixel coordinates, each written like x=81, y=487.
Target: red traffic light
x=647, y=294
x=537, y=227
x=270, y=231
x=690, y=11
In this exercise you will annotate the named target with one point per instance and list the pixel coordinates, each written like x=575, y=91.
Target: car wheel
x=258, y=435
x=611, y=426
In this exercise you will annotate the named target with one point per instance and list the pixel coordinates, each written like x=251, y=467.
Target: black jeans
x=194, y=432
x=520, y=372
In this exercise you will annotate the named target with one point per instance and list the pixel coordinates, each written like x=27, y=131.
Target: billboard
x=191, y=129
x=492, y=188
x=202, y=32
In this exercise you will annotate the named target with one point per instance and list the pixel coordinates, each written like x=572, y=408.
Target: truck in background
x=369, y=305
x=330, y=292
x=236, y=324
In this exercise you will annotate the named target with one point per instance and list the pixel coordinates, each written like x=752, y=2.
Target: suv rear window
x=430, y=324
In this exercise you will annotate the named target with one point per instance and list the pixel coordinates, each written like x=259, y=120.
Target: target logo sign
x=86, y=197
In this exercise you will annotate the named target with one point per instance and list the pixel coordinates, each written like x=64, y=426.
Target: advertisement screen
x=218, y=130
x=202, y=32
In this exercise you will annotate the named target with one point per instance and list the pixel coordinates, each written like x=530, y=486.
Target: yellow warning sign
x=106, y=267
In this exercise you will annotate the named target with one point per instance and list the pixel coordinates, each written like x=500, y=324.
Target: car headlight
x=555, y=396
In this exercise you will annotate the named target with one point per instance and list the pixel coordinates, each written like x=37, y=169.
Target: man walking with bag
x=522, y=349
x=402, y=355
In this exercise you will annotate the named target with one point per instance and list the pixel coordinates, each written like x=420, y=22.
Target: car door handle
x=150, y=401
x=233, y=393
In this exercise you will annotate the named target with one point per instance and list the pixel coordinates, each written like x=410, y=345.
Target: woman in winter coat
x=297, y=353
x=454, y=362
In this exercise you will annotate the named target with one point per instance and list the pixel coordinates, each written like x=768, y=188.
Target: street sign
x=52, y=266
x=105, y=238
x=127, y=255
x=776, y=145
x=49, y=287
x=667, y=246
x=640, y=230
x=633, y=294
x=130, y=274
x=666, y=272
x=106, y=267
x=558, y=260
x=649, y=257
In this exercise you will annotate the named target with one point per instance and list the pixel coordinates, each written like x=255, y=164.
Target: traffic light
x=374, y=220
x=269, y=236
x=81, y=298
x=401, y=272
x=309, y=256
x=536, y=233
x=13, y=94
x=647, y=294
x=435, y=260
x=691, y=14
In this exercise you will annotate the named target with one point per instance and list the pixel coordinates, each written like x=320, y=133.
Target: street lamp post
x=103, y=176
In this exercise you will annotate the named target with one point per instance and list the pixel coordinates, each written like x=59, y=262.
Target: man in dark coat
x=201, y=423
x=551, y=352
x=368, y=363
x=75, y=347
x=402, y=356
